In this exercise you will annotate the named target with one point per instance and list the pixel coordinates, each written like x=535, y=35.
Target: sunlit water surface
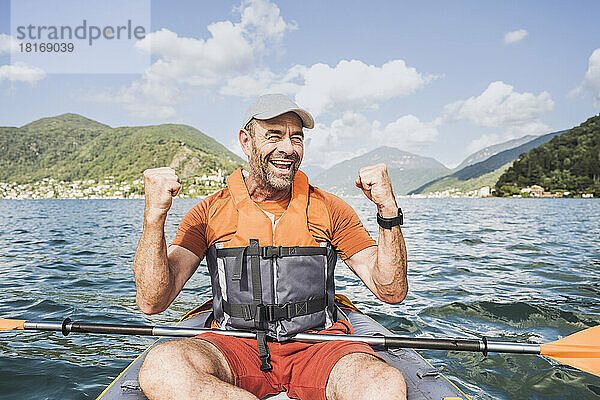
x=524, y=270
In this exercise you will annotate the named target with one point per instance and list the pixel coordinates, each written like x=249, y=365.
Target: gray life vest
x=272, y=277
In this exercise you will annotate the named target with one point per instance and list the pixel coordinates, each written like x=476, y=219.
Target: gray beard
x=260, y=168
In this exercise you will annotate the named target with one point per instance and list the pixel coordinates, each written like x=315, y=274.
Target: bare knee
x=174, y=361
x=362, y=376
x=385, y=382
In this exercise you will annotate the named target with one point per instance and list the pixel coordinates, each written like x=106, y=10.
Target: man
x=269, y=241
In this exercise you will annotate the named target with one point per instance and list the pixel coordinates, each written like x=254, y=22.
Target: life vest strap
x=261, y=334
x=263, y=351
x=274, y=312
x=273, y=251
x=256, y=279
x=266, y=252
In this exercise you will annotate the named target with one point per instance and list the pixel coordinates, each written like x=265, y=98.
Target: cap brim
x=307, y=119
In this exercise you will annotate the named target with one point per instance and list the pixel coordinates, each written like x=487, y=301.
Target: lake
x=523, y=270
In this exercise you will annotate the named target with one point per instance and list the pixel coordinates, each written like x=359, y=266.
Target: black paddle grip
x=111, y=328
x=434, y=344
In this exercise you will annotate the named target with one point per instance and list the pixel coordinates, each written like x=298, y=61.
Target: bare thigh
x=177, y=362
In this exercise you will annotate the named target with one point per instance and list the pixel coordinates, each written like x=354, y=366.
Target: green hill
x=406, y=170
x=464, y=186
x=569, y=162
x=483, y=173
x=71, y=147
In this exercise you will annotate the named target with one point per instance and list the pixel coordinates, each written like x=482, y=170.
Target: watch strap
x=388, y=223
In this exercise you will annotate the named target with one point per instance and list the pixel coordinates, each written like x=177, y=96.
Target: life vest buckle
x=271, y=251
x=278, y=312
x=262, y=314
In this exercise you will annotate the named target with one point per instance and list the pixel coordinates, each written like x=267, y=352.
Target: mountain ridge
x=406, y=170
x=487, y=152
x=491, y=164
x=70, y=146
x=64, y=119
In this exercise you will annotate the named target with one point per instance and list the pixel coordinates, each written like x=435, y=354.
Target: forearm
x=153, y=278
x=386, y=275
x=389, y=274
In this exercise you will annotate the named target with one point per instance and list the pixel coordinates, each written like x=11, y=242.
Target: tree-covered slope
x=71, y=147
x=569, y=162
x=125, y=152
x=32, y=151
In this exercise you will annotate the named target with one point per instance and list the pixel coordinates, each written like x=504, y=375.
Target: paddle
x=580, y=350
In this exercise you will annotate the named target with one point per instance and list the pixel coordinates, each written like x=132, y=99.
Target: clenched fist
x=160, y=186
x=375, y=184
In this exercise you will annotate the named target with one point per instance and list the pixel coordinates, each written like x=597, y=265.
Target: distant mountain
x=71, y=147
x=486, y=167
x=406, y=170
x=569, y=162
x=311, y=170
x=64, y=122
x=489, y=151
x=464, y=186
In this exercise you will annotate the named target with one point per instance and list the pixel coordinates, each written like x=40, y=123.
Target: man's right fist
x=160, y=186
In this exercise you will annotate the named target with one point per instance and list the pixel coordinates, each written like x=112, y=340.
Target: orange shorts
x=300, y=369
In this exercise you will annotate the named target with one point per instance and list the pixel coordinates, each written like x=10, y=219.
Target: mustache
x=283, y=156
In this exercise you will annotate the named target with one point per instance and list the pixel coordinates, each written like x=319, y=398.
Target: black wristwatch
x=387, y=223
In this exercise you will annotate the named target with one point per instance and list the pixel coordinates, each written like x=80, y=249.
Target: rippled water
x=509, y=269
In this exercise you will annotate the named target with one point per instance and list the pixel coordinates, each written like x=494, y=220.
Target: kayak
x=423, y=381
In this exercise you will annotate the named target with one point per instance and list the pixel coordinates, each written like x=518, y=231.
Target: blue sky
x=440, y=79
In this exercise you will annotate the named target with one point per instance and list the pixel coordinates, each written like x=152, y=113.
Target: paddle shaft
x=390, y=342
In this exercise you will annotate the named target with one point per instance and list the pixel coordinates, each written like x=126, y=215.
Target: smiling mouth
x=283, y=166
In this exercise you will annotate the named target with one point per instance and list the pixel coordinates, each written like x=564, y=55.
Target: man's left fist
x=375, y=184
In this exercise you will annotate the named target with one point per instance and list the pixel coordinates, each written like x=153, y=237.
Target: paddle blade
x=580, y=350
x=10, y=324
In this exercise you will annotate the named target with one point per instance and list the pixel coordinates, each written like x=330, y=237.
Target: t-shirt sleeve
x=191, y=232
x=349, y=236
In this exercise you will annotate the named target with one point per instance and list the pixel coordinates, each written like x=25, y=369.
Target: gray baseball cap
x=270, y=106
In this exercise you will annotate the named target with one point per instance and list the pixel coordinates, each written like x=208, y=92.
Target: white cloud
x=257, y=83
x=8, y=43
x=353, y=135
x=591, y=82
x=409, y=133
x=196, y=61
x=185, y=62
x=227, y=62
x=500, y=106
x=354, y=84
x=250, y=85
x=351, y=85
x=144, y=98
x=229, y=51
x=21, y=72
x=515, y=36
x=262, y=22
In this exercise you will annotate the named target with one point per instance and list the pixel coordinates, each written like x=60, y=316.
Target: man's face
x=277, y=149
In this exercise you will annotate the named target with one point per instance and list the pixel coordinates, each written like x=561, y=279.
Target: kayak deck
x=423, y=381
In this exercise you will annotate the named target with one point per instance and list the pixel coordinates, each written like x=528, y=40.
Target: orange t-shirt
x=340, y=226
